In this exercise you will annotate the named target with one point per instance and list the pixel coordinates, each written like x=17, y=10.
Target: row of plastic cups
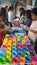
x=8, y=53
x=14, y=38
x=20, y=52
x=8, y=50
x=29, y=58
x=20, y=60
x=4, y=60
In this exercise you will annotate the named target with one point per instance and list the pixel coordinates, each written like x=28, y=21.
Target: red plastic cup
x=15, y=60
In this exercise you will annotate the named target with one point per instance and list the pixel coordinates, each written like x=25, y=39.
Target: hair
x=22, y=10
x=6, y=6
x=34, y=11
x=10, y=8
x=28, y=12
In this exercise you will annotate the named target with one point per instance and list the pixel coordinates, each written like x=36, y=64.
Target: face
x=33, y=16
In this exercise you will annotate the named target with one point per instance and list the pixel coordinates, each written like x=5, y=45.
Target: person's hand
x=26, y=28
x=7, y=28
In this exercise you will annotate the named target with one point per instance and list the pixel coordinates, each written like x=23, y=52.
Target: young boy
x=32, y=31
x=2, y=29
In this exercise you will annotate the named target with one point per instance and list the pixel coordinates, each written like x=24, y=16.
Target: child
x=29, y=19
x=32, y=30
x=22, y=15
x=10, y=15
x=2, y=29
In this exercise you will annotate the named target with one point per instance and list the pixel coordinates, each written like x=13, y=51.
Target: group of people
x=28, y=18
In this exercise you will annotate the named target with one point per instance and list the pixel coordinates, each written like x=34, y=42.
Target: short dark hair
x=22, y=11
x=6, y=6
x=11, y=7
x=28, y=12
x=34, y=11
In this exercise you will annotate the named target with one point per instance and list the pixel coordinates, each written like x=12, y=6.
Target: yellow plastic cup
x=8, y=53
x=23, y=42
x=8, y=48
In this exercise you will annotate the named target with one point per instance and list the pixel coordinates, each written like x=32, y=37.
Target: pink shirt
x=32, y=35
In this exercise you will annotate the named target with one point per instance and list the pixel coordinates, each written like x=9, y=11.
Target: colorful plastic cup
x=32, y=63
x=5, y=46
x=8, y=49
x=26, y=49
x=22, y=60
x=15, y=60
x=14, y=45
x=34, y=58
x=4, y=50
x=2, y=54
x=18, y=38
x=14, y=48
x=13, y=56
x=27, y=39
x=8, y=53
x=31, y=49
x=8, y=60
x=14, y=52
x=29, y=58
x=19, y=45
x=27, y=53
x=2, y=60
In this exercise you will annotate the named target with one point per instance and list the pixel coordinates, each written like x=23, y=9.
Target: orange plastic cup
x=22, y=60
x=32, y=63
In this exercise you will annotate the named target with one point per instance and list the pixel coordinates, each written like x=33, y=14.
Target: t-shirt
x=28, y=22
x=32, y=35
x=1, y=33
x=10, y=16
x=2, y=25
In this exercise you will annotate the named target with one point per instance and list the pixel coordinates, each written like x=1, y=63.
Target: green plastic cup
x=2, y=60
x=8, y=60
x=18, y=38
x=13, y=45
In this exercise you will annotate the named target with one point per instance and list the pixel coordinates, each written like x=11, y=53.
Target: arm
x=5, y=29
x=20, y=20
x=33, y=31
x=28, y=29
x=2, y=30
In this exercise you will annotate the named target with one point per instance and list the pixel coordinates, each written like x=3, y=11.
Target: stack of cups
x=20, y=52
x=14, y=51
x=23, y=41
x=2, y=55
x=22, y=60
x=18, y=38
x=8, y=52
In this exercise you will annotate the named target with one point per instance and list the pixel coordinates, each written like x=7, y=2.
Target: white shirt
x=32, y=35
x=10, y=16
